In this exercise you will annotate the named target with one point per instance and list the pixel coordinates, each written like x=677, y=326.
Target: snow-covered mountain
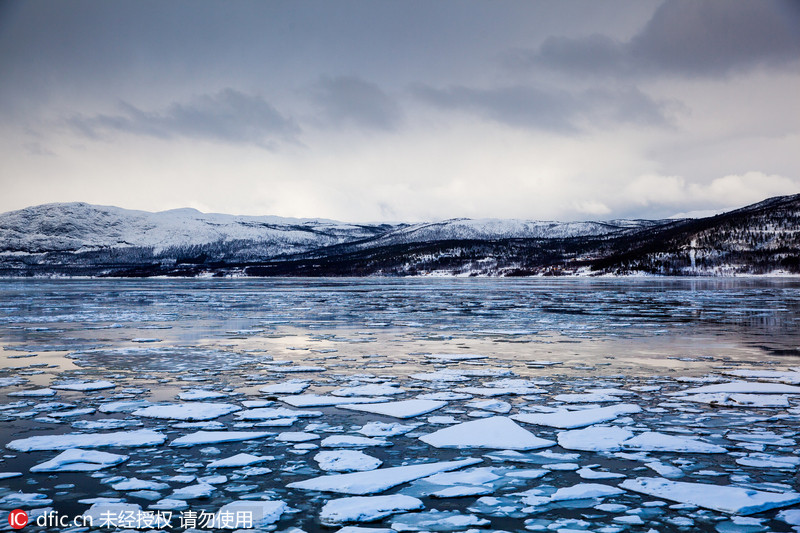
x=79, y=227
x=82, y=239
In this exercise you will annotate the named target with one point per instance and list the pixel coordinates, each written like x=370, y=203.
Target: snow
x=564, y=419
x=214, y=437
x=238, y=460
x=190, y=411
x=401, y=409
x=379, y=480
x=137, y=438
x=366, y=508
x=726, y=499
x=346, y=461
x=496, y=432
x=78, y=460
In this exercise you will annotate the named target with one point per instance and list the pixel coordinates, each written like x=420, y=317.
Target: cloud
x=684, y=37
x=228, y=116
x=556, y=111
x=350, y=101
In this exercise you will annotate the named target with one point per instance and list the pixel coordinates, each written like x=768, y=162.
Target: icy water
x=585, y=404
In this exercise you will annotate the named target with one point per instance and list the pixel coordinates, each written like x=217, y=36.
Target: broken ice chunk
x=294, y=386
x=382, y=429
x=376, y=481
x=436, y=521
x=213, y=437
x=726, y=499
x=83, y=385
x=366, y=508
x=584, y=491
x=317, y=400
x=574, y=419
x=660, y=442
x=190, y=411
x=249, y=514
x=400, y=409
x=138, y=438
x=238, y=460
x=496, y=432
x=346, y=461
x=77, y=460
x=350, y=441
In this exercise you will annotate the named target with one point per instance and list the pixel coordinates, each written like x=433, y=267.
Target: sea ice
x=379, y=480
x=594, y=439
x=272, y=413
x=400, y=409
x=200, y=394
x=214, y=437
x=296, y=436
x=726, y=399
x=585, y=490
x=316, y=400
x=366, y=508
x=294, y=386
x=188, y=411
x=32, y=393
x=193, y=492
x=494, y=406
x=726, y=499
x=382, y=389
x=436, y=521
x=235, y=515
x=742, y=387
x=139, y=484
x=346, y=461
x=350, y=441
x=580, y=418
x=137, y=438
x=652, y=441
x=84, y=385
x=78, y=460
x=496, y=432
x=238, y=460
x=382, y=429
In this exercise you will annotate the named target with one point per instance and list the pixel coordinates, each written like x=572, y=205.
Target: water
x=155, y=338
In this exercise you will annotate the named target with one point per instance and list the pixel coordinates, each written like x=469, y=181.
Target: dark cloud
x=228, y=116
x=351, y=101
x=556, y=111
x=685, y=37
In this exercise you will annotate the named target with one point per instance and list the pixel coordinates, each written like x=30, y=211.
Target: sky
x=401, y=110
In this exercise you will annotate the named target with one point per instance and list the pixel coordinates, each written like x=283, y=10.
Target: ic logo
x=18, y=518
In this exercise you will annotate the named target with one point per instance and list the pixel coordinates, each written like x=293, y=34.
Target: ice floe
x=136, y=438
x=316, y=400
x=585, y=490
x=79, y=460
x=564, y=419
x=400, y=409
x=84, y=386
x=214, y=437
x=366, y=508
x=351, y=441
x=294, y=386
x=382, y=429
x=239, y=460
x=743, y=387
x=723, y=498
x=188, y=411
x=496, y=432
x=249, y=514
x=346, y=461
x=382, y=479
x=200, y=394
x=437, y=521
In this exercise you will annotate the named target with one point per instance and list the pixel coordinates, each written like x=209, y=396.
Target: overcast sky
x=401, y=110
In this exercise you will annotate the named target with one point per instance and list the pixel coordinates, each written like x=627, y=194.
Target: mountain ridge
x=83, y=239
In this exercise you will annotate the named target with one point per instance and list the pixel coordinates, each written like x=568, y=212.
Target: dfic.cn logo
x=18, y=518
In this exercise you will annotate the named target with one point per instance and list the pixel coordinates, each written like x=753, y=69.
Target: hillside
x=83, y=239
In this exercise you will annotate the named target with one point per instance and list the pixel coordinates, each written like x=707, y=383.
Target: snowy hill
x=84, y=239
